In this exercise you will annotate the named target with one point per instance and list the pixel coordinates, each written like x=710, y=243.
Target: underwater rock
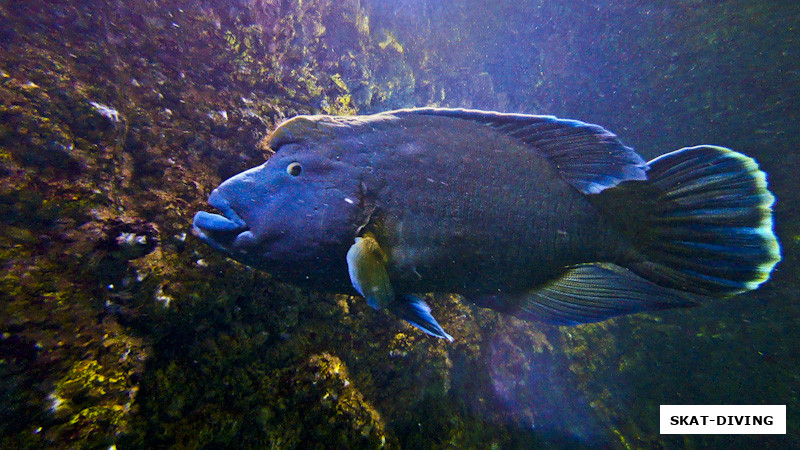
x=325, y=406
x=101, y=194
x=128, y=240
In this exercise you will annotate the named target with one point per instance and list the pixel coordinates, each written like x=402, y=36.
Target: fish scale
x=543, y=218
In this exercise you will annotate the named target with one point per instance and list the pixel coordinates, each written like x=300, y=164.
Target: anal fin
x=595, y=292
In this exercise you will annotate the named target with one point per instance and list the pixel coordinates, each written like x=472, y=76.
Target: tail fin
x=709, y=230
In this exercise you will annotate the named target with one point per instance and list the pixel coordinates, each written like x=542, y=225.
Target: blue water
x=120, y=328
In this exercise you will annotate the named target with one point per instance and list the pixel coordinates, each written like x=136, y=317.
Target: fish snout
x=226, y=231
x=216, y=230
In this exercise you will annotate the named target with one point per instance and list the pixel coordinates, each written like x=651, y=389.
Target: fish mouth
x=226, y=232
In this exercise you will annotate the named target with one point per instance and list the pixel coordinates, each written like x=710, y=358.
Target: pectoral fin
x=366, y=264
x=415, y=311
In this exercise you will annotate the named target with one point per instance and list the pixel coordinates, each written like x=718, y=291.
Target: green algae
x=95, y=400
x=233, y=357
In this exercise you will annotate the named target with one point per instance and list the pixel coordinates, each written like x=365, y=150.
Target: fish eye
x=294, y=169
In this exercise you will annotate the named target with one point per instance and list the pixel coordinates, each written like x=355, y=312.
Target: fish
x=543, y=218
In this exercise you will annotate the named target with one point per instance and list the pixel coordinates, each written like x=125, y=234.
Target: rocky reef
x=118, y=328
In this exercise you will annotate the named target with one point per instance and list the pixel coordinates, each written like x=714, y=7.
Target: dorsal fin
x=588, y=157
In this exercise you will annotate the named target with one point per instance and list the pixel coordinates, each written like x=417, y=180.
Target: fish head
x=296, y=215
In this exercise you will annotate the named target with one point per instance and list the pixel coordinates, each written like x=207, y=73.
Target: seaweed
x=119, y=328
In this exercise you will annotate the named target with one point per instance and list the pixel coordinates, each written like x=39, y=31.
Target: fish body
x=540, y=217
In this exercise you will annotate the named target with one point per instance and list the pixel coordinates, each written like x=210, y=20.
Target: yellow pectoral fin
x=366, y=264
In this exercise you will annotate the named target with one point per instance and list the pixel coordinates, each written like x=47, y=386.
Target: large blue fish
x=544, y=218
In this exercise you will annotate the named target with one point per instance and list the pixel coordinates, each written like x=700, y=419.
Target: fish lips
x=226, y=232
